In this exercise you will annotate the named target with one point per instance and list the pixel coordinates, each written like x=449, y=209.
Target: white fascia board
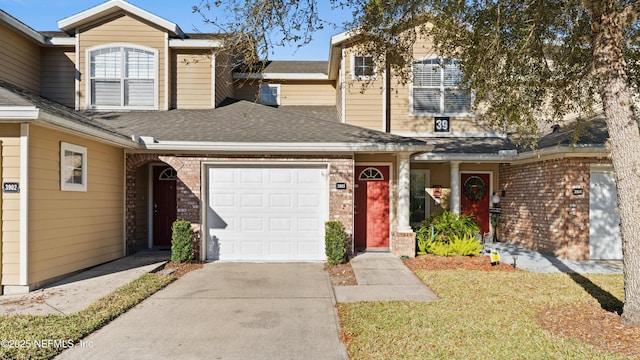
x=61, y=41
x=26, y=30
x=151, y=144
x=511, y=156
x=282, y=76
x=19, y=112
x=343, y=36
x=71, y=22
x=491, y=134
x=195, y=43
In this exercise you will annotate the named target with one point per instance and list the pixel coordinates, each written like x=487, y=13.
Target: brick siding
x=539, y=210
x=189, y=187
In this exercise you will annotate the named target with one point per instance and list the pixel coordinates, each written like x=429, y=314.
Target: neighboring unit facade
x=121, y=123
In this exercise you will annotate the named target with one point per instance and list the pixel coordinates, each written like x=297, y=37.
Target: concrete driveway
x=228, y=311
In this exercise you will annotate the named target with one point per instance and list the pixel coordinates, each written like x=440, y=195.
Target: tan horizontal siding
x=20, y=59
x=364, y=110
x=58, y=75
x=122, y=30
x=191, y=79
x=307, y=93
x=10, y=140
x=363, y=98
x=72, y=230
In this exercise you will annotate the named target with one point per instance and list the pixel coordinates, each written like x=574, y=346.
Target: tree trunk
x=609, y=64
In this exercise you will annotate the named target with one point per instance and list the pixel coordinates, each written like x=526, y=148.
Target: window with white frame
x=436, y=90
x=269, y=94
x=73, y=167
x=122, y=77
x=363, y=67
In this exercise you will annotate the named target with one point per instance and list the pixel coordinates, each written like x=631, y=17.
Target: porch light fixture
x=495, y=199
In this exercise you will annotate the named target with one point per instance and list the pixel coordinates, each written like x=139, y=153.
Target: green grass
x=30, y=329
x=480, y=315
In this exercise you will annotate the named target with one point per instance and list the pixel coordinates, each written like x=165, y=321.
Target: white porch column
x=404, y=187
x=454, y=199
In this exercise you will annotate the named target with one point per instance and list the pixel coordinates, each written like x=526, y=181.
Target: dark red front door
x=164, y=204
x=476, y=185
x=372, y=207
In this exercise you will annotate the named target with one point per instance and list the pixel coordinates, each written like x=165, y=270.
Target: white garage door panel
x=605, y=241
x=267, y=213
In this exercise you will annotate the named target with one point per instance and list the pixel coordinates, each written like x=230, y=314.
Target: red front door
x=372, y=207
x=474, y=198
x=164, y=204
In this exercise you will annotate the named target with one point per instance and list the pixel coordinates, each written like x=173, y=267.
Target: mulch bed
x=434, y=262
x=341, y=274
x=182, y=268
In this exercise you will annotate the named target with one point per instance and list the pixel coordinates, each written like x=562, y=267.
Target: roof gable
x=113, y=6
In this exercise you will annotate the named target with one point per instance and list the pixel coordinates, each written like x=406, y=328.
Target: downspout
x=387, y=94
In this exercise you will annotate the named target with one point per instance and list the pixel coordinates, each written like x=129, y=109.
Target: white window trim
x=412, y=112
x=87, y=80
x=353, y=68
x=64, y=186
x=269, y=85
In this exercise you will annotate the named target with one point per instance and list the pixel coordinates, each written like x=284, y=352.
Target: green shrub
x=181, y=241
x=466, y=245
x=448, y=225
x=440, y=248
x=451, y=235
x=423, y=239
x=335, y=241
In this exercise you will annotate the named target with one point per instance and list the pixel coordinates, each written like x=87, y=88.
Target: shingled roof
x=592, y=133
x=247, y=122
x=12, y=96
x=286, y=67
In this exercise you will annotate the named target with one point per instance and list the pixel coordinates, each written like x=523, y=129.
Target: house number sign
x=11, y=187
x=442, y=124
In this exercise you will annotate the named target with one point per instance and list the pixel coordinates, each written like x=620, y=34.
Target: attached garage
x=605, y=241
x=266, y=212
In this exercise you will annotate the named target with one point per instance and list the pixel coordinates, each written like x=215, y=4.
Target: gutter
x=19, y=112
x=513, y=157
x=282, y=76
x=149, y=143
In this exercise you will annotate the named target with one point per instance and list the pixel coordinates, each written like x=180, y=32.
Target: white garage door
x=605, y=241
x=267, y=213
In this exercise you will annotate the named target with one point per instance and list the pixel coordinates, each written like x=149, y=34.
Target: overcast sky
x=43, y=15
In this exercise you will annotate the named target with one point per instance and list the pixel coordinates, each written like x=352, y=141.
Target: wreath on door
x=474, y=188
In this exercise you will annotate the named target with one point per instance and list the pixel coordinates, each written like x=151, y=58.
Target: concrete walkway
x=537, y=262
x=78, y=291
x=382, y=277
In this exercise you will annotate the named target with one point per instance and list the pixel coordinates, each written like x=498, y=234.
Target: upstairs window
x=436, y=90
x=269, y=94
x=122, y=77
x=363, y=67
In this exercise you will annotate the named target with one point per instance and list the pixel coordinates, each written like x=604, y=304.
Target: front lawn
x=482, y=315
